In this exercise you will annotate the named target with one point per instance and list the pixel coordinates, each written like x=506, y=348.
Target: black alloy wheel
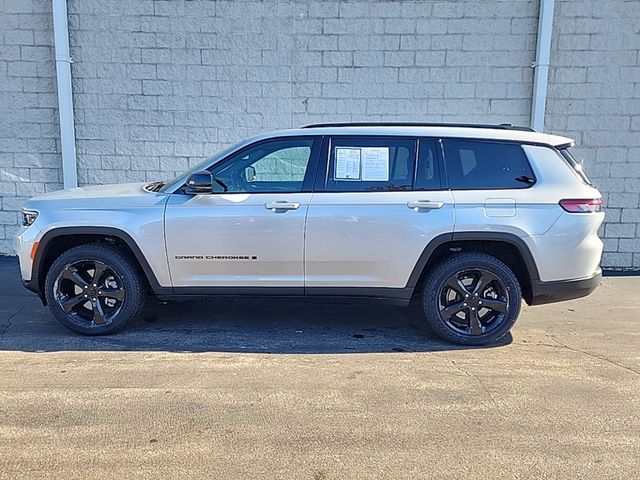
x=95, y=288
x=471, y=298
x=473, y=302
x=89, y=291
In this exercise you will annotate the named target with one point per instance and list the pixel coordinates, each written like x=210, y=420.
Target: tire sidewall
x=442, y=272
x=120, y=264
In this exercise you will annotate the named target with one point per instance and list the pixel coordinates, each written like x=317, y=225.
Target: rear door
x=379, y=204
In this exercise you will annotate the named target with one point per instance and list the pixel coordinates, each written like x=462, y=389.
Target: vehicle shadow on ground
x=274, y=326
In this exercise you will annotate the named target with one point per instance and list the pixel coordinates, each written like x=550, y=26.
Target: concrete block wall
x=594, y=97
x=160, y=85
x=29, y=134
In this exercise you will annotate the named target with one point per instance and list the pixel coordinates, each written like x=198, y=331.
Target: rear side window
x=473, y=164
x=371, y=164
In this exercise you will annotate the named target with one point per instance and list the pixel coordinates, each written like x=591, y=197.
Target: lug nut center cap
x=473, y=301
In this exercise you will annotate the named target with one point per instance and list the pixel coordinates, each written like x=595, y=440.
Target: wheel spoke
x=98, y=272
x=75, y=277
x=115, y=293
x=474, y=322
x=70, y=302
x=98, y=313
x=499, y=306
x=454, y=283
x=481, y=284
x=451, y=310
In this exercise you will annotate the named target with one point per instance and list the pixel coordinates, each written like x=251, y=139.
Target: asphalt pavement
x=307, y=390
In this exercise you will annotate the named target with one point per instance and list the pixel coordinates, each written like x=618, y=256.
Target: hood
x=126, y=206
x=117, y=190
x=99, y=198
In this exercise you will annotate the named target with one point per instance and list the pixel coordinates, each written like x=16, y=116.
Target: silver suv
x=469, y=219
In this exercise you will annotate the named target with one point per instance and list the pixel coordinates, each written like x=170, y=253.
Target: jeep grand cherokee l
x=470, y=219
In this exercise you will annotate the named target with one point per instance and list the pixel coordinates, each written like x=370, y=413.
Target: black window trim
x=315, y=181
x=444, y=176
x=309, y=176
x=490, y=140
x=441, y=182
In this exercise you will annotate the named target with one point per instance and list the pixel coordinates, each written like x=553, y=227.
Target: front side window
x=476, y=165
x=370, y=164
x=269, y=167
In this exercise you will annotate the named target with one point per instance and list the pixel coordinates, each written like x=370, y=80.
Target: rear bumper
x=550, y=292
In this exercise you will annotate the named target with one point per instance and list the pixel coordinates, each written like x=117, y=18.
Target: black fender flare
x=37, y=274
x=444, y=238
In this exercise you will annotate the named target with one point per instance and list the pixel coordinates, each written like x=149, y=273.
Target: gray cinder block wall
x=159, y=85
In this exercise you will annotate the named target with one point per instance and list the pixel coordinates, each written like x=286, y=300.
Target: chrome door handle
x=426, y=204
x=273, y=206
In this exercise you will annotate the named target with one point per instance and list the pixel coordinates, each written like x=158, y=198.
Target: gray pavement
x=294, y=389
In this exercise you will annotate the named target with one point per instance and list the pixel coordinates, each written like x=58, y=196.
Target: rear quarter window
x=477, y=165
x=575, y=165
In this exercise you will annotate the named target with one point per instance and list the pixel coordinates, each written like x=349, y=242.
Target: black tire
x=114, y=298
x=480, y=314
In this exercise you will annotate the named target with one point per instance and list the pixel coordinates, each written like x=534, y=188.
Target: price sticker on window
x=347, y=164
x=375, y=164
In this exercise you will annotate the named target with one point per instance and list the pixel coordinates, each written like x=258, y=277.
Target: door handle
x=274, y=206
x=424, y=204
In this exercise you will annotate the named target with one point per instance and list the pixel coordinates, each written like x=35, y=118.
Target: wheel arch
x=58, y=240
x=507, y=247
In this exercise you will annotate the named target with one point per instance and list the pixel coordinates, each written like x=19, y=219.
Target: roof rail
x=501, y=126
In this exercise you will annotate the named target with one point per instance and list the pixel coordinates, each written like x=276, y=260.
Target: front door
x=252, y=234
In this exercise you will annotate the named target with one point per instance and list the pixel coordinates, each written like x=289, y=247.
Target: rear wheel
x=94, y=289
x=471, y=299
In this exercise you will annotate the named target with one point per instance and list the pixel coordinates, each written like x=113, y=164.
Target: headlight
x=28, y=217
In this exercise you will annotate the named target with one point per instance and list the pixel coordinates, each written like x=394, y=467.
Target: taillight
x=582, y=206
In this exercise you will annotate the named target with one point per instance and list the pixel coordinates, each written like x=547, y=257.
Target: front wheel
x=94, y=289
x=471, y=299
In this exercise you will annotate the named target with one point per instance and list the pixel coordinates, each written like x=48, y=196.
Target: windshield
x=576, y=166
x=201, y=166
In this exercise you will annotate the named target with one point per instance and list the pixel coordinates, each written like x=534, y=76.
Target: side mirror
x=199, y=183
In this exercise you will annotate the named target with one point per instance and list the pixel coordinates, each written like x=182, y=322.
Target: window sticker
x=375, y=164
x=347, y=163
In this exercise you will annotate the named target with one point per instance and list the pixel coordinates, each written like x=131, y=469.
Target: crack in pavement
x=593, y=355
x=482, y=385
x=9, y=321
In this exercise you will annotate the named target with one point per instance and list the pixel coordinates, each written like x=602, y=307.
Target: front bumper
x=551, y=292
x=23, y=244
